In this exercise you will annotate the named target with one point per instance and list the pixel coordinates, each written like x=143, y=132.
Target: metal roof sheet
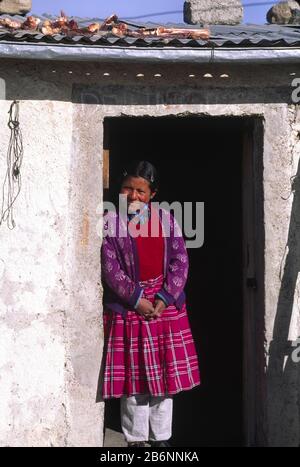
x=244, y=35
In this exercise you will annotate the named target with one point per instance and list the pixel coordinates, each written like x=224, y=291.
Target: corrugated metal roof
x=244, y=35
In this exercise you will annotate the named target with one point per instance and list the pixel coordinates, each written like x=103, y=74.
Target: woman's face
x=138, y=192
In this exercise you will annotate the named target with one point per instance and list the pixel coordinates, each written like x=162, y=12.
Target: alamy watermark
x=189, y=221
x=296, y=352
x=296, y=91
x=2, y=89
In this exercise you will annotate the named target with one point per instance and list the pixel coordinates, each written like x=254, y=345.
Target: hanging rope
x=12, y=180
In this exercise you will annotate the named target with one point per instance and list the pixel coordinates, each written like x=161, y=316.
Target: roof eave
x=57, y=52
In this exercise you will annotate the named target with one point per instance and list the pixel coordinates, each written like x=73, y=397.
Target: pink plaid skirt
x=155, y=357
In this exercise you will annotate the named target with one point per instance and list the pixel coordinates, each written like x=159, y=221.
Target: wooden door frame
x=254, y=382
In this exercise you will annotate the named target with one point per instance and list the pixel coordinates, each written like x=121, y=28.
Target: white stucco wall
x=33, y=302
x=50, y=319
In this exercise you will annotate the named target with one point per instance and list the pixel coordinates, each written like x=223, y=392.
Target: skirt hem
x=171, y=393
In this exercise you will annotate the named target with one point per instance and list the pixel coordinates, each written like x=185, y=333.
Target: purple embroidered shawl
x=120, y=265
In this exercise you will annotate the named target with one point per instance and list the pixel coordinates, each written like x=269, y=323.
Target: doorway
x=202, y=159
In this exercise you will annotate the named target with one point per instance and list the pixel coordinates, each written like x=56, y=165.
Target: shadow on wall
x=168, y=93
x=283, y=374
x=85, y=83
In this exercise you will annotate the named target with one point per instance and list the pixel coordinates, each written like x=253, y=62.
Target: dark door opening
x=199, y=159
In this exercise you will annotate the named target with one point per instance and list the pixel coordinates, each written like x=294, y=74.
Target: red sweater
x=151, y=254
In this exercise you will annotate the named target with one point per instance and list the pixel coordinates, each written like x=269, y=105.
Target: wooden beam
x=105, y=169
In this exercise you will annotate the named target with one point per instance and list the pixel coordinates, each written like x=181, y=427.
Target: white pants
x=144, y=417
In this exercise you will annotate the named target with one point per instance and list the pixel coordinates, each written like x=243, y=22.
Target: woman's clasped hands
x=150, y=310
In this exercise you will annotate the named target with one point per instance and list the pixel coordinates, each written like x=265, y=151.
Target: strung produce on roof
x=31, y=23
x=62, y=25
x=10, y=24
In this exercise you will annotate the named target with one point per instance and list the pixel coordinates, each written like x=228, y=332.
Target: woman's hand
x=159, y=307
x=145, y=309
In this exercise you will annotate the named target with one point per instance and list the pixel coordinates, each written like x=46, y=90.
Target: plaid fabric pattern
x=149, y=357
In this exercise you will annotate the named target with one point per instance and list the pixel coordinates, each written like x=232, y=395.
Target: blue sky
x=130, y=8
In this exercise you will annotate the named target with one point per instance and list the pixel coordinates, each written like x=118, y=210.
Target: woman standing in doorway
x=149, y=351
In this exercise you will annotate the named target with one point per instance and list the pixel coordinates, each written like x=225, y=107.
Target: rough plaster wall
x=50, y=295
x=70, y=327
x=282, y=255
x=32, y=300
x=82, y=267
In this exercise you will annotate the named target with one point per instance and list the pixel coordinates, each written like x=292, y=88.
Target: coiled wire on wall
x=12, y=180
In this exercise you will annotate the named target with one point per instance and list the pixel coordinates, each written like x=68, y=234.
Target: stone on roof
x=15, y=7
x=284, y=13
x=213, y=12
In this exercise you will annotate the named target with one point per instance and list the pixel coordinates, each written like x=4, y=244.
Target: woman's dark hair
x=142, y=169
